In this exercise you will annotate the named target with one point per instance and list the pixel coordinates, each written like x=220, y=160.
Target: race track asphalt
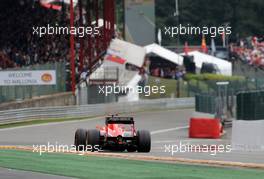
x=141, y=26
x=167, y=128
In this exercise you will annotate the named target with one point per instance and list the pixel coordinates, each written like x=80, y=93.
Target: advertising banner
x=21, y=78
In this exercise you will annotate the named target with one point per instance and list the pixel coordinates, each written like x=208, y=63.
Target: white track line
x=149, y=21
x=168, y=130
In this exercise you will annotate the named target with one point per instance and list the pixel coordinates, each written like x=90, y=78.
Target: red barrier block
x=205, y=128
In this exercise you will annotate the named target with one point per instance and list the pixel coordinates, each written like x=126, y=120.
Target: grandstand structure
x=19, y=47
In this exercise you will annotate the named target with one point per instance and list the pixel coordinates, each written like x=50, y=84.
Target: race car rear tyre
x=80, y=139
x=144, y=141
x=93, y=139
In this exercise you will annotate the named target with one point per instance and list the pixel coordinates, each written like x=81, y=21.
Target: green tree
x=244, y=16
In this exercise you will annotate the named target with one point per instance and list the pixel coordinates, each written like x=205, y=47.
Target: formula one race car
x=118, y=134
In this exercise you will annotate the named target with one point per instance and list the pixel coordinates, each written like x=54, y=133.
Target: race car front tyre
x=93, y=139
x=80, y=139
x=144, y=141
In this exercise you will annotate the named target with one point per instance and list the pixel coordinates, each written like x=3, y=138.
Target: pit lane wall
x=42, y=113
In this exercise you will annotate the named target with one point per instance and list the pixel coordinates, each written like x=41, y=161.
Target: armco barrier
x=20, y=115
x=205, y=128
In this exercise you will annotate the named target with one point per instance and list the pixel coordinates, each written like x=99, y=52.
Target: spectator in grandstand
x=252, y=53
x=19, y=44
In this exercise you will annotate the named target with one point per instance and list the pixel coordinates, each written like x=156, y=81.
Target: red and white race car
x=118, y=134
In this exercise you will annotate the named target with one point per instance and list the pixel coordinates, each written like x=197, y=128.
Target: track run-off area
x=168, y=128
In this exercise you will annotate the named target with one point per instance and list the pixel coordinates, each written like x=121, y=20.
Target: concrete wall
x=60, y=99
x=91, y=95
x=248, y=135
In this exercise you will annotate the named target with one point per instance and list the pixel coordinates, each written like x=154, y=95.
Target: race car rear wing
x=119, y=120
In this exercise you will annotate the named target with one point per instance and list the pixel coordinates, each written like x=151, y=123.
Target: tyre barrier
x=205, y=128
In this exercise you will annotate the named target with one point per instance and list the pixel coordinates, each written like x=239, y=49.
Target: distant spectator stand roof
x=224, y=66
x=55, y=1
x=164, y=53
x=53, y=4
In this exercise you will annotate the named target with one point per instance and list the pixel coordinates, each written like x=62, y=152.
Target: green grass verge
x=214, y=77
x=193, y=84
x=170, y=87
x=99, y=167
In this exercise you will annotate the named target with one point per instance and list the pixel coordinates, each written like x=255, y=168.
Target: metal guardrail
x=42, y=113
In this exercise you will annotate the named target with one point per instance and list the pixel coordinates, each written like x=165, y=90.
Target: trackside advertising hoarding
x=21, y=78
